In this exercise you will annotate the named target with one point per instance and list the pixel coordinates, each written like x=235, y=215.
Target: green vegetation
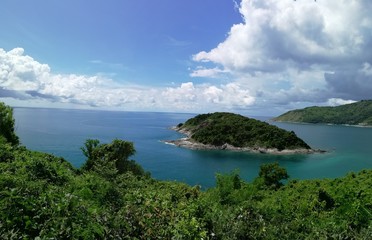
x=7, y=133
x=111, y=197
x=359, y=113
x=239, y=131
x=111, y=159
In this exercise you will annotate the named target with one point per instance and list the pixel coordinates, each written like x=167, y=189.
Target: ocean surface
x=62, y=133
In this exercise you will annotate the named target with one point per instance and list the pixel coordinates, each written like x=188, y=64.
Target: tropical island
x=358, y=113
x=229, y=131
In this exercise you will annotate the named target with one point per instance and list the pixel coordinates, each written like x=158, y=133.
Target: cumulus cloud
x=282, y=40
x=207, y=97
x=24, y=79
x=277, y=34
x=19, y=72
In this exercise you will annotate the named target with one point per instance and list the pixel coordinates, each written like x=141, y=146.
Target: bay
x=62, y=132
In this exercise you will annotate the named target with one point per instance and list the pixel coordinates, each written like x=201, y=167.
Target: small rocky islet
x=229, y=131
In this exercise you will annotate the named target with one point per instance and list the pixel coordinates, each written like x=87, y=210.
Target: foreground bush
x=44, y=196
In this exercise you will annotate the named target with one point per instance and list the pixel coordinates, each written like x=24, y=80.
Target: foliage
x=110, y=159
x=7, y=125
x=89, y=146
x=272, y=175
x=226, y=185
x=44, y=196
x=221, y=128
x=359, y=113
x=306, y=209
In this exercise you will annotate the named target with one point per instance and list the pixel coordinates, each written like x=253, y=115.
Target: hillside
x=112, y=197
x=359, y=113
x=232, y=131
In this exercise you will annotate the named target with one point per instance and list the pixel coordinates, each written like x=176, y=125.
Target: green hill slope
x=227, y=128
x=359, y=113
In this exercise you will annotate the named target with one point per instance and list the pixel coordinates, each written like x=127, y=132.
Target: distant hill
x=233, y=131
x=359, y=113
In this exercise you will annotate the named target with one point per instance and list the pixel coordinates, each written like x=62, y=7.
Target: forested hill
x=228, y=128
x=359, y=113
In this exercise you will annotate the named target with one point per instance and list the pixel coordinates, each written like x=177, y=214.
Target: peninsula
x=229, y=131
x=358, y=113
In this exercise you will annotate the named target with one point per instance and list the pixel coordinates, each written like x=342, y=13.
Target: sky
x=255, y=57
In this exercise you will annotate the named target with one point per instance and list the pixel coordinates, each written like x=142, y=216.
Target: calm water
x=63, y=132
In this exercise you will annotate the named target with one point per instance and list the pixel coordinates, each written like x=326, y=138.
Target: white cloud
x=213, y=94
x=183, y=97
x=235, y=95
x=22, y=77
x=288, y=51
x=19, y=72
x=24, y=80
x=208, y=72
x=277, y=34
x=228, y=96
x=205, y=97
x=339, y=101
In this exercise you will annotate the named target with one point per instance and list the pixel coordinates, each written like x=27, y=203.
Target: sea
x=63, y=132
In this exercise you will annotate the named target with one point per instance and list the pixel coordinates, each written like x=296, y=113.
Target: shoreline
x=327, y=124
x=188, y=143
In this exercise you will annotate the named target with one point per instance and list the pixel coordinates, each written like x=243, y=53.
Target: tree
x=113, y=156
x=272, y=175
x=89, y=146
x=7, y=124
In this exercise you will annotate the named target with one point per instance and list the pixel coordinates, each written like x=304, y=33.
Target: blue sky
x=250, y=56
x=149, y=42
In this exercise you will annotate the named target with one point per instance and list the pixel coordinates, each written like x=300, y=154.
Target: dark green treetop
x=272, y=175
x=220, y=128
x=110, y=159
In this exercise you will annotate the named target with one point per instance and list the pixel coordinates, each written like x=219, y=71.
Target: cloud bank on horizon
x=283, y=55
x=25, y=80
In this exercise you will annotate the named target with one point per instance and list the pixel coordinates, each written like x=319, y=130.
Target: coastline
x=189, y=143
x=328, y=124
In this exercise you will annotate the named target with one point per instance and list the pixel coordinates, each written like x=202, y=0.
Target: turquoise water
x=63, y=132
